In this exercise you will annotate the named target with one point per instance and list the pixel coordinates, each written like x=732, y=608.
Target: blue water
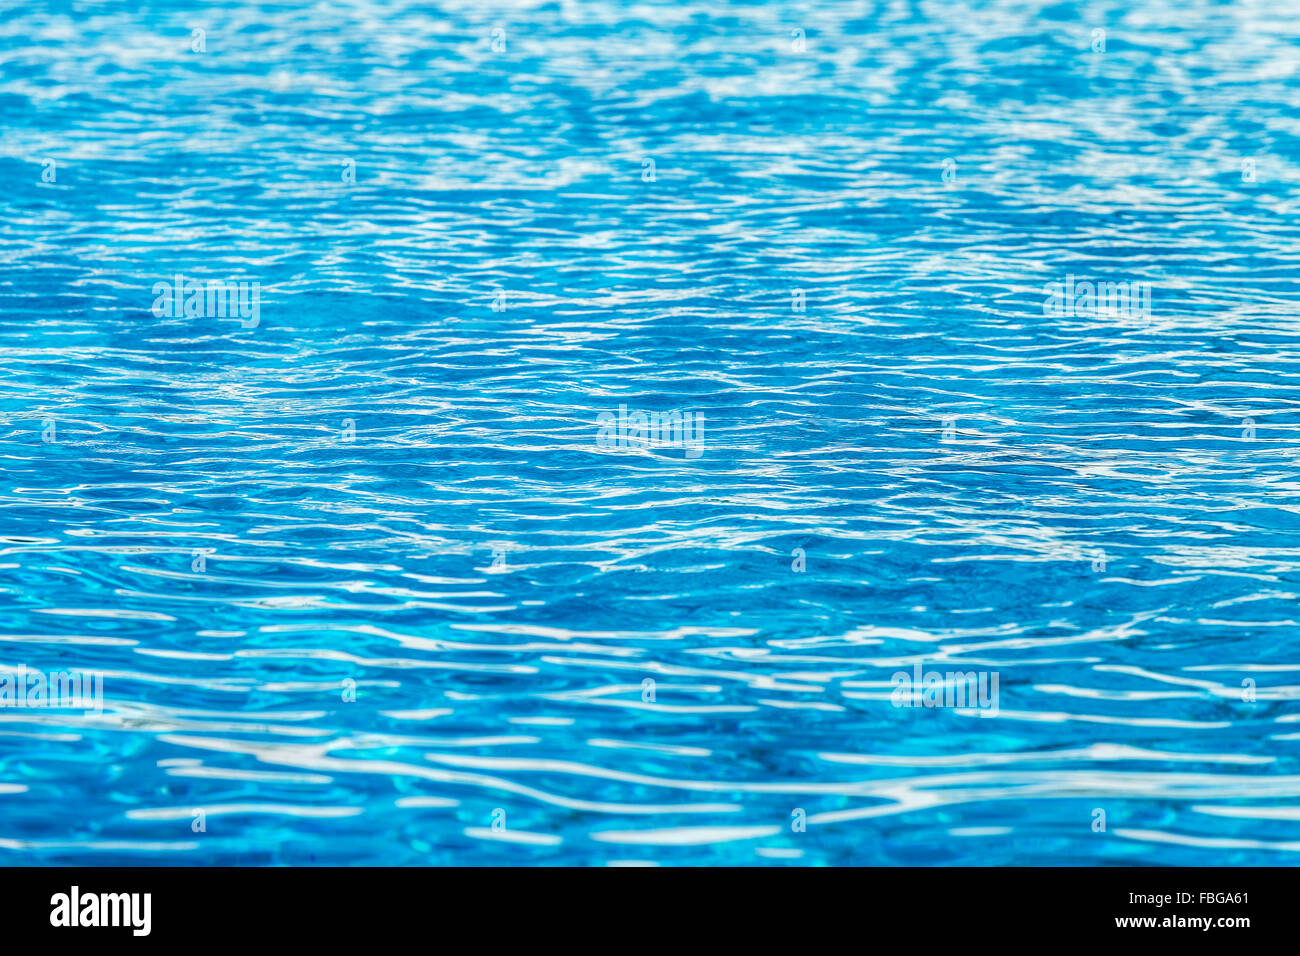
x=366, y=583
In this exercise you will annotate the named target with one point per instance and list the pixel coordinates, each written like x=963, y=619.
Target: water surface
x=365, y=581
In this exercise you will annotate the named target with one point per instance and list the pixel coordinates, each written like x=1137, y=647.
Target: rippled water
x=368, y=582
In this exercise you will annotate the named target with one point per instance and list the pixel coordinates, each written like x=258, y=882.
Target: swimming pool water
x=620, y=395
